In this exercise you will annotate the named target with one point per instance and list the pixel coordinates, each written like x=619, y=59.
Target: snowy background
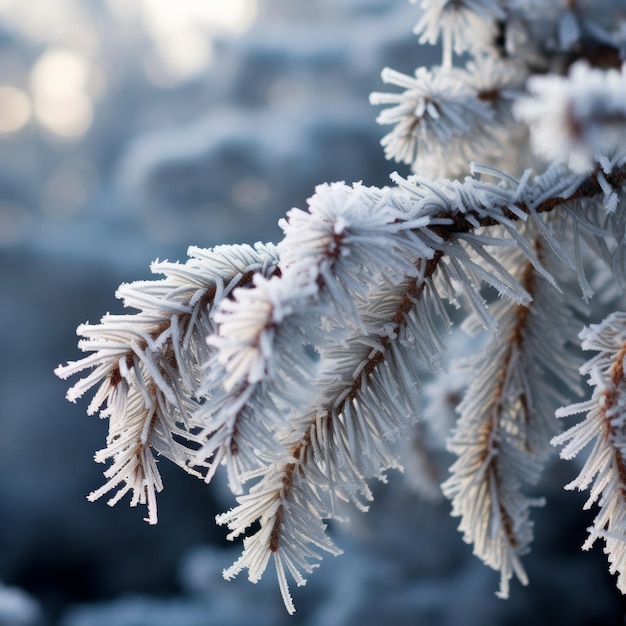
x=130, y=129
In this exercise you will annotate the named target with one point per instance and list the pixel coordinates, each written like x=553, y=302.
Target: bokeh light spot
x=59, y=81
x=174, y=61
x=15, y=109
x=183, y=32
x=234, y=16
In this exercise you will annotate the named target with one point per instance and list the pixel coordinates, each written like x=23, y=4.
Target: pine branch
x=579, y=119
x=604, y=471
x=448, y=117
x=332, y=448
x=462, y=24
x=148, y=374
x=149, y=365
x=298, y=374
x=506, y=422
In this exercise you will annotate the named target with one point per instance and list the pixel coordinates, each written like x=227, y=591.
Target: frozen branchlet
x=461, y=24
x=507, y=418
x=604, y=426
x=447, y=117
x=297, y=368
x=435, y=110
x=580, y=119
x=148, y=365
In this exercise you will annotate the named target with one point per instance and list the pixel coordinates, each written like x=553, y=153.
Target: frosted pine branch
x=604, y=470
x=507, y=419
x=424, y=221
x=447, y=117
x=339, y=441
x=462, y=25
x=581, y=119
x=147, y=366
x=332, y=449
x=297, y=367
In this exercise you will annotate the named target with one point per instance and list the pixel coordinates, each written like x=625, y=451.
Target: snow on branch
x=349, y=287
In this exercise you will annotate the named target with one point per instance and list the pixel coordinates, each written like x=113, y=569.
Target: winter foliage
x=298, y=366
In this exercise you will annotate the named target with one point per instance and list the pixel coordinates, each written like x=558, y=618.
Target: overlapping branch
x=507, y=420
x=604, y=471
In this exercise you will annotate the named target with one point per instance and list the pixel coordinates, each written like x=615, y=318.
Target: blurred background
x=129, y=130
